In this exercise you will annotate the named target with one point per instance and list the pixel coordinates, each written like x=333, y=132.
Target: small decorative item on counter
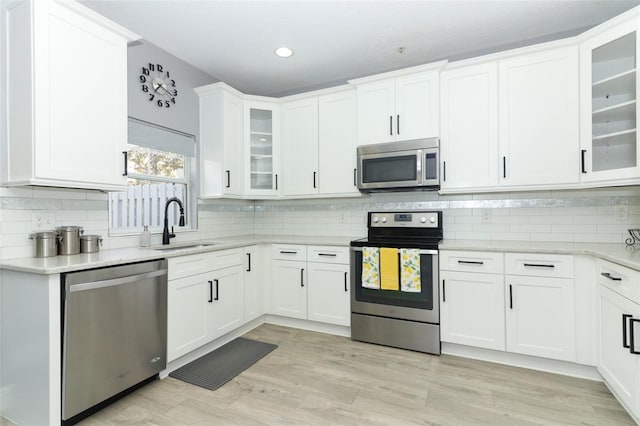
x=634, y=238
x=90, y=243
x=145, y=237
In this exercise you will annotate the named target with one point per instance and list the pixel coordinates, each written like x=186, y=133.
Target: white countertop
x=76, y=262
x=617, y=253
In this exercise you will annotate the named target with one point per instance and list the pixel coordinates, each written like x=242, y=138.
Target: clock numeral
x=160, y=103
x=168, y=76
x=151, y=96
x=167, y=104
x=145, y=71
x=173, y=100
x=152, y=67
x=143, y=79
x=145, y=88
x=175, y=92
x=159, y=67
x=173, y=83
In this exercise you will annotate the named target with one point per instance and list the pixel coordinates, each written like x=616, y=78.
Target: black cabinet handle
x=210, y=291
x=217, y=291
x=471, y=262
x=302, y=277
x=398, y=124
x=444, y=171
x=345, y=282
x=391, y=125
x=327, y=254
x=582, y=153
x=538, y=265
x=314, y=180
x=276, y=181
x=249, y=262
x=228, y=178
x=126, y=161
x=612, y=278
x=632, y=337
x=510, y=296
x=288, y=252
x=355, y=182
x=504, y=167
x=444, y=291
x=625, y=343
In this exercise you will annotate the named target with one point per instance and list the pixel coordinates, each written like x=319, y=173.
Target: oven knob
x=423, y=219
x=432, y=219
x=384, y=219
x=375, y=219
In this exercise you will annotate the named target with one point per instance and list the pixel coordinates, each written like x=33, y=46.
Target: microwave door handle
x=419, y=170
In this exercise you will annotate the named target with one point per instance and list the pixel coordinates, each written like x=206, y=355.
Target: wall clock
x=158, y=85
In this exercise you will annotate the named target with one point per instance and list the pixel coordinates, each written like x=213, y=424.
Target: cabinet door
x=376, y=108
x=262, y=126
x=469, y=127
x=337, y=143
x=618, y=366
x=300, y=147
x=187, y=314
x=253, y=284
x=540, y=316
x=289, y=288
x=232, y=173
x=328, y=293
x=417, y=106
x=472, y=309
x=227, y=308
x=80, y=87
x=538, y=127
x=608, y=77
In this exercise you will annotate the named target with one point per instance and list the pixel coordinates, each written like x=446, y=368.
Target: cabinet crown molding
x=94, y=16
x=399, y=73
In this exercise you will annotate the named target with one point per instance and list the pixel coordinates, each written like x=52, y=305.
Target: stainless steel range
x=395, y=301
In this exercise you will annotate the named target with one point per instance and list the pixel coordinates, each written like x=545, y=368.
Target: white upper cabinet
x=262, y=127
x=392, y=107
x=300, y=147
x=469, y=127
x=538, y=118
x=66, y=70
x=337, y=143
x=609, y=114
x=221, y=136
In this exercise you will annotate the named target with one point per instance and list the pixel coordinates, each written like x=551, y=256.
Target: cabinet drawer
x=620, y=279
x=226, y=258
x=471, y=261
x=328, y=254
x=289, y=252
x=539, y=265
x=185, y=266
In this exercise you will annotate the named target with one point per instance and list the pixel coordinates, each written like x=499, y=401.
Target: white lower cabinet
x=316, y=288
x=206, y=305
x=530, y=311
x=254, y=306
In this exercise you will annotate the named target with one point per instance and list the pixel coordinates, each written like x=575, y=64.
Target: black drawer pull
x=248, y=262
x=444, y=291
x=471, y=262
x=625, y=343
x=302, y=277
x=538, y=265
x=210, y=292
x=612, y=278
x=228, y=179
x=126, y=163
x=582, y=153
x=217, y=291
x=345, y=282
x=632, y=337
x=510, y=296
x=327, y=254
x=288, y=252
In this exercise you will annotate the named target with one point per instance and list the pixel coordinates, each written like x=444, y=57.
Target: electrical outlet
x=621, y=212
x=41, y=221
x=343, y=217
x=485, y=215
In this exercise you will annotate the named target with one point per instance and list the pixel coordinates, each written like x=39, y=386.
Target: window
x=160, y=163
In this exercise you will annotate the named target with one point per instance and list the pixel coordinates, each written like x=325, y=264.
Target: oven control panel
x=403, y=219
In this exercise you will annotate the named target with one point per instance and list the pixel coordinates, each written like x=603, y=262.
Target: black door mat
x=218, y=367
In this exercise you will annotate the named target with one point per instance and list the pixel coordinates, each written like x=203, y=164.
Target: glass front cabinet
x=609, y=111
x=261, y=148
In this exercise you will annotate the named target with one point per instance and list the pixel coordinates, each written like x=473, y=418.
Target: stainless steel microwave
x=399, y=165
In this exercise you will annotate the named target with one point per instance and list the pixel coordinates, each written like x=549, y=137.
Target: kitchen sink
x=183, y=246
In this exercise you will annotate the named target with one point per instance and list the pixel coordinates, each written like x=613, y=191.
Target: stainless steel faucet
x=166, y=236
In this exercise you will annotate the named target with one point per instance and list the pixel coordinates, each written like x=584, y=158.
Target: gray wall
x=183, y=115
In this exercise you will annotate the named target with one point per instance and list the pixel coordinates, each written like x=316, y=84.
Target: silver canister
x=90, y=243
x=44, y=243
x=69, y=239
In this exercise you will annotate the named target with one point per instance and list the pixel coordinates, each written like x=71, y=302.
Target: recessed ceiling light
x=284, y=52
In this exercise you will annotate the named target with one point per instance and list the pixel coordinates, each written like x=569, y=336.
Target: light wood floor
x=318, y=379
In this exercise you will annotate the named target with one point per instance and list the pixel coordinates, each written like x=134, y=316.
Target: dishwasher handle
x=115, y=281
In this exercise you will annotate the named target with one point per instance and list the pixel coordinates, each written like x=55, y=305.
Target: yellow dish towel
x=389, y=269
x=410, y=274
x=370, y=267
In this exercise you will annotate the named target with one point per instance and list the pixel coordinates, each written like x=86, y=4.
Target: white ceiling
x=333, y=41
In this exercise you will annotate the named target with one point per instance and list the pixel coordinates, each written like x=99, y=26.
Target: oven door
x=390, y=170
x=422, y=307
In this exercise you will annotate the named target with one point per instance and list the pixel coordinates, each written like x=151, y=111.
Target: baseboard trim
x=337, y=330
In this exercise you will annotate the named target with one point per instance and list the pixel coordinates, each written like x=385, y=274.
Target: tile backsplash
x=598, y=215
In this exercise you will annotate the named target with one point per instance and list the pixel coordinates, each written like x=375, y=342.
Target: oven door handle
x=421, y=251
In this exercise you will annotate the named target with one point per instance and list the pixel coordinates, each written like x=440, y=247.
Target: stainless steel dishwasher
x=115, y=332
